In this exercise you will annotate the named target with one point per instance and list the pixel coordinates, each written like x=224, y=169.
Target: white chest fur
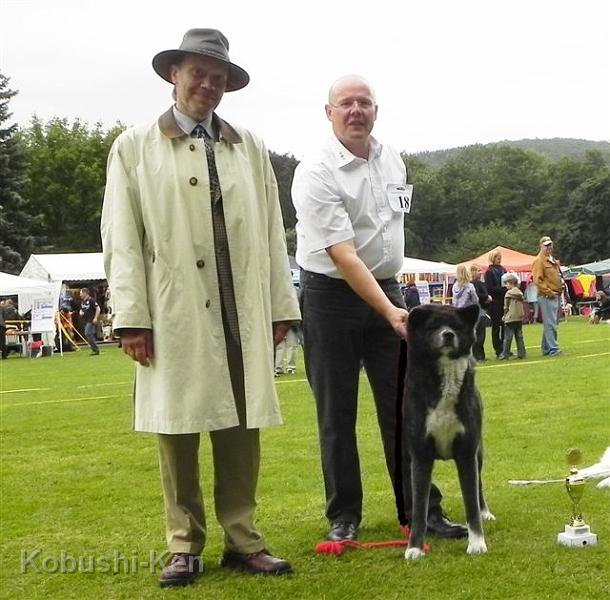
x=442, y=422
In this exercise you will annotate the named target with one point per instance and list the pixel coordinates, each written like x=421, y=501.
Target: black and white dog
x=443, y=414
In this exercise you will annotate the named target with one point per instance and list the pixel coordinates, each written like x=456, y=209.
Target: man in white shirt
x=351, y=198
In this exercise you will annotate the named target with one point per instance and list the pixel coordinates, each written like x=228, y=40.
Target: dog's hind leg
x=486, y=514
x=469, y=482
x=421, y=477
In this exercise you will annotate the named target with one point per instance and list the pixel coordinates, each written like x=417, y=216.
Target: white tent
x=26, y=289
x=418, y=266
x=84, y=266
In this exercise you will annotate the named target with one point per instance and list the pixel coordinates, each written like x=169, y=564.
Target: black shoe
x=181, y=570
x=257, y=563
x=342, y=530
x=439, y=526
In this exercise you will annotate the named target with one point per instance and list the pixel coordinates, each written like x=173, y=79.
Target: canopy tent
x=600, y=267
x=85, y=266
x=26, y=289
x=418, y=266
x=511, y=260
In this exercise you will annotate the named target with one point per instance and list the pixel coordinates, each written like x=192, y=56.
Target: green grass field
x=76, y=479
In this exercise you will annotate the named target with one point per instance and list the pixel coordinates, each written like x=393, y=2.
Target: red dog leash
x=338, y=548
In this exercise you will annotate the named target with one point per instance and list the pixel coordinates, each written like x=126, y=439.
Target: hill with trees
x=553, y=148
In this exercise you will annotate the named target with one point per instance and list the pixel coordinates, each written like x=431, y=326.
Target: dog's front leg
x=468, y=473
x=421, y=477
x=486, y=514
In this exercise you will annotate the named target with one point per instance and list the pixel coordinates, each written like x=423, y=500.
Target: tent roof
x=65, y=267
x=511, y=260
x=418, y=265
x=26, y=289
x=11, y=285
x=599, y=267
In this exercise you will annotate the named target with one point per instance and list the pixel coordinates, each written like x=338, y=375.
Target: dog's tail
x=399, y=436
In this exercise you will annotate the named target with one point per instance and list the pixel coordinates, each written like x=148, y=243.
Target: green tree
x=575, y=209
x=584, y=234
x=16, y=219
x=284, y=166
x=472, y=242
x=66, y=167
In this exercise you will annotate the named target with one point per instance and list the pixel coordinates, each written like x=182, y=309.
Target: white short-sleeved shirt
x=340, y=197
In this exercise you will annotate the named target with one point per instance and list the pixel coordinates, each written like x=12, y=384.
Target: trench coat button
x=207, y=304
x=193, y=180
x=200, y=263
x=192, y=147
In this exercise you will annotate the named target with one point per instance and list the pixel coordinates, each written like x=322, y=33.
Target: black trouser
x=3, y=348
x=341, y=333
x=478, y=348
x=496, y=311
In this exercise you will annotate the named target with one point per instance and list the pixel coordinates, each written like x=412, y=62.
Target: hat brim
x=237, y=79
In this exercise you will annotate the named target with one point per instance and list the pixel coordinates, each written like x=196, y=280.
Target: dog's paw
x=414, y=553
x=487, y=515
x=604, y=483
x=476, y=545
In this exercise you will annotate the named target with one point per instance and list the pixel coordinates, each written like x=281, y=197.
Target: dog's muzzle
x=448, y=338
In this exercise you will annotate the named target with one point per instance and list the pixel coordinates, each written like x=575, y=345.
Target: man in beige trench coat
x=195, y=253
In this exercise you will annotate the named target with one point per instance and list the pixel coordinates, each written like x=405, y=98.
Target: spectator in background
x=286, y=352
x=601, y=311
x=478, y=348
x=411, y=295
x=90, y=311
x=464, y=293
x=547, y=276
x=531, y=297
x=493, y=282
x=513, y=318
x=10, y=312
x=3, y=349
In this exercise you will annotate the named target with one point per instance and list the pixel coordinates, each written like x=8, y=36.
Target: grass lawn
x=76, y=479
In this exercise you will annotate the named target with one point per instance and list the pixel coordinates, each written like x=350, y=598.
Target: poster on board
x=43, y=313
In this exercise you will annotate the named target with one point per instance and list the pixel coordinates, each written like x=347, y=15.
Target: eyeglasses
x=363, y=103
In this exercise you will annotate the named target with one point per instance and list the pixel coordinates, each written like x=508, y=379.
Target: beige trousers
x=236, y=458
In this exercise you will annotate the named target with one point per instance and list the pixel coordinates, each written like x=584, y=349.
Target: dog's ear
x=469, y=314
x=417, y=316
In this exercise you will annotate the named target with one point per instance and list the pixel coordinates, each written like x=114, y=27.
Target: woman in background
x=493, y=281
x=478, y=348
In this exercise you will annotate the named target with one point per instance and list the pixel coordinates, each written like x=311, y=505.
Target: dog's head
x=434, y=330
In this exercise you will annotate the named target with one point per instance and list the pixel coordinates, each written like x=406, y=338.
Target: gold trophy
x=576, y=532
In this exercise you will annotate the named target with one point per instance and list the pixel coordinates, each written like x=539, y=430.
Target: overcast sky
x=447, y=72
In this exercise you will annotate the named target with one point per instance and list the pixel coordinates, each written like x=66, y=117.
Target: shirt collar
x=344, y=157
x=187, y=124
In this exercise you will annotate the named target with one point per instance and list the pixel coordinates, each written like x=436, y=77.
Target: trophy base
x=577, y=536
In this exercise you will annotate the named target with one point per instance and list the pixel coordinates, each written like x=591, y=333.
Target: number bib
x=399, y=196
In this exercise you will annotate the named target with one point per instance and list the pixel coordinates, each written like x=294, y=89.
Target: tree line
x=52, y=177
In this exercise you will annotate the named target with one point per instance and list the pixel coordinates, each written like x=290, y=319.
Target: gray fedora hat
x=207, y=42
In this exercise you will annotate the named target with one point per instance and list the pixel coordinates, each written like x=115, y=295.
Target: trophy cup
x=576, y=532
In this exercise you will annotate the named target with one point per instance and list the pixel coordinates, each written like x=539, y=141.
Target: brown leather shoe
x=181, y=570
x=257, y=563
